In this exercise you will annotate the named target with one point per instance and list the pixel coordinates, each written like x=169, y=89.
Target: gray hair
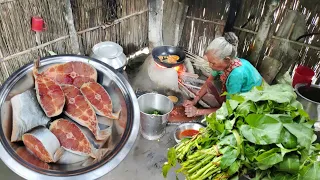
x=225, y=46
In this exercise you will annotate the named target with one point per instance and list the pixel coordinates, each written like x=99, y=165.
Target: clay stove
x=154, y=77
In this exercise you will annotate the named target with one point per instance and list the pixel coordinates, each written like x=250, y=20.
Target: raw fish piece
x=71, y=137
x=26, y=114
x=30, y=158
x=74, y=73
x=43, y=144
x=49, y=93
x=71, y=158
x=99, y=99
x=79, y=110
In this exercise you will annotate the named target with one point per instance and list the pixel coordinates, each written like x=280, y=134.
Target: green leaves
x=301, y=132
x=265, y=131
x=269, y=158
x=310, y=172
x=276, y=93
x=245, y=108
x=172, y=161
x=290, y=164
x=262, y=129
x=288, y=140
x=234, y=168
x=165, y=169
x=228, y=158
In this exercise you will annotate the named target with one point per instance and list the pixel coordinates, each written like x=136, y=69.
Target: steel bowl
x=309, y=97
x=124, y=130
x=185, y=126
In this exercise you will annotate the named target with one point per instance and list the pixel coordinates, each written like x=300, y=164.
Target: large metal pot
x=124, y=130
x=309, y=97
x=153, y=126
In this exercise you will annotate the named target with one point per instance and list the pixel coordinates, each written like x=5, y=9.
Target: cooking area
x=159, y=89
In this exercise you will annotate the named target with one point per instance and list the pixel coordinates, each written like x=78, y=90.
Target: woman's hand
x=188, y=103
x=191, y=111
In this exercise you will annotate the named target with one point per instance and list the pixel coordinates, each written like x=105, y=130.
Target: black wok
x=168, y=50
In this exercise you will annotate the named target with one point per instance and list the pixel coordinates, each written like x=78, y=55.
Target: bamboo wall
x=121, y=21
x=206, y=19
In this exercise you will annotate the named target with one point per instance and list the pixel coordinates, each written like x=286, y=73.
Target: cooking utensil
x=168, y=50
x=185, y=126
x=124, y=130
x=110, y=53
x=309, y=97
x=153, y=126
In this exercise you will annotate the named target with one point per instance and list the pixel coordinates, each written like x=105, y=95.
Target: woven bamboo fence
x=206, y=19
x=121, y=21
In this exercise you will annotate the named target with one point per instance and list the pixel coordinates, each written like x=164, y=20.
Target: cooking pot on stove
x=124, y=130
x=110, y=53
x=166, y=51
x=309, y=97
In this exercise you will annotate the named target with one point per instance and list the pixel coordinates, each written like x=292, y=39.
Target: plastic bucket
x=302, y=75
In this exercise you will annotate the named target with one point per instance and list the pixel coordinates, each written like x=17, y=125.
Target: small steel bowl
x=185, y=126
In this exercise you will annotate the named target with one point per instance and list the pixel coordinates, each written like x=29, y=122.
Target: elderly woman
x=237, y=75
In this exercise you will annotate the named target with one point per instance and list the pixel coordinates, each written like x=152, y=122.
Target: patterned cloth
x=223, y=77
x=240, y=77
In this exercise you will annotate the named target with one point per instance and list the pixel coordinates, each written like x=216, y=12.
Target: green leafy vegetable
x=265, y=131
x=290, y=164
x=228, y=158
x=269, y=158
x=302, y=133
x=310, y=172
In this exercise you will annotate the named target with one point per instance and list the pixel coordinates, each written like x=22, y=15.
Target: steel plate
x=124, y=130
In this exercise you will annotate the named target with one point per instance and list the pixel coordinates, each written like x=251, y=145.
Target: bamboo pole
x=5, y=1
x=75, y=47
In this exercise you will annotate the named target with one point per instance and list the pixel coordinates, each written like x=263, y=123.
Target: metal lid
x=107, y=49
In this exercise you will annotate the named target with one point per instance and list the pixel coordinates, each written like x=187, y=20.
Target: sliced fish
x=100, y=100
x=74, y=73
x=26, y=114
x=73, y=139
x=49, y=94
x=79, y=110
x=43, y=144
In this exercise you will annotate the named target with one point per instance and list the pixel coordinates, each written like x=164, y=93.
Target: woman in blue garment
x=236, y=74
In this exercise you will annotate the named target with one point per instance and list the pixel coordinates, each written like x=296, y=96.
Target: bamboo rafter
x=254, y=32
x=5, y=1
x=117, y=21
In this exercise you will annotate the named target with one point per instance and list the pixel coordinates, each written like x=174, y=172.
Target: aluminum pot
x=309, y=97
x=152, y=126
x=124, y=130
x=110, y=53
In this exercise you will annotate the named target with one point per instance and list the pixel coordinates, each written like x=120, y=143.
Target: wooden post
x=263, y=31
x=75, y=47
x=155, y=23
